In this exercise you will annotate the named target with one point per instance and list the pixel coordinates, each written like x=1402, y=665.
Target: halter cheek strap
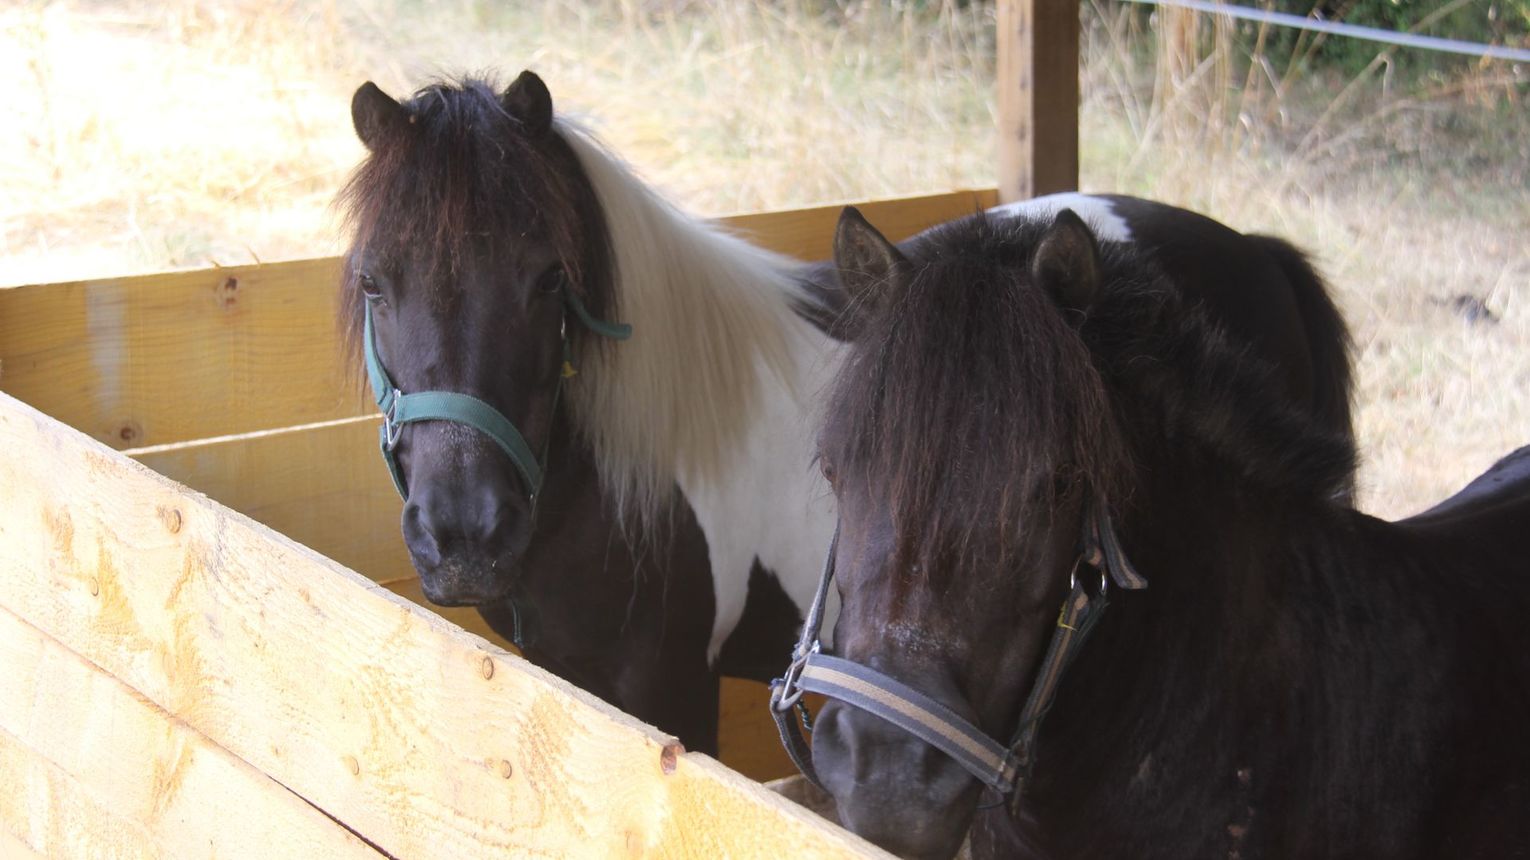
x=997, y=766
x=400, y=409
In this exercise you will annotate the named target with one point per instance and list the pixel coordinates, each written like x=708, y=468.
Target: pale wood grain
x=387, y=718
x=808, y=234
x=157, y=777
x=747, y=740
x=167, y=358
x=11, y=846
x=50, y=814
x=325, y=487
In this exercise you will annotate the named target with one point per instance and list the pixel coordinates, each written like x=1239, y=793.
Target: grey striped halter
x=997, y=766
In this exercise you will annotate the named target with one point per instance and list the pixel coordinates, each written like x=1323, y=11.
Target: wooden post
x=1038, y=97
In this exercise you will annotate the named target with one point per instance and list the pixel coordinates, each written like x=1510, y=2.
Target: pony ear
x=1067, y=262
x=529, y=101
x=373, y=112
x=865, y=259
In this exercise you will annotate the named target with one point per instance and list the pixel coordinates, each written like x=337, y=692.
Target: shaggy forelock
x=971, y=402
x=460, y=170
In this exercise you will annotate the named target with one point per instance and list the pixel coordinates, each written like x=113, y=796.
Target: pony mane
x=715, y=332
x=975, y=401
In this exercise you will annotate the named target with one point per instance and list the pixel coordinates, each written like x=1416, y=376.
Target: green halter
x=399, y=408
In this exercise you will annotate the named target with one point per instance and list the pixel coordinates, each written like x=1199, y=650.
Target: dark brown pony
x=1297, y=680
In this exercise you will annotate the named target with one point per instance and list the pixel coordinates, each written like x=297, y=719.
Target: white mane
x=712, y=325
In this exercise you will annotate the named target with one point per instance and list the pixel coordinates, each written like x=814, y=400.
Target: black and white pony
x=1297, y=679
x=669, y=525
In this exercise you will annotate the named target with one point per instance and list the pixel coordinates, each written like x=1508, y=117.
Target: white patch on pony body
x=711, y=393
x=775, y=506
x=1098, y=212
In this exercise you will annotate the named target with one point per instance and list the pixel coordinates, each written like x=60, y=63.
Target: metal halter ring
x=392, y=429
x=1073, y=578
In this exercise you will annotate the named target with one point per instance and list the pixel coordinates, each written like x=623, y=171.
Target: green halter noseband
x=399, y=408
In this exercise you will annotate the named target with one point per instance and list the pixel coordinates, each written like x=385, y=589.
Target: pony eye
x=827, y=469
x=552, y=280
x=369, y=287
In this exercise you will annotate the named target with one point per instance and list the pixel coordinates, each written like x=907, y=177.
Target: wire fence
x=1354, y=31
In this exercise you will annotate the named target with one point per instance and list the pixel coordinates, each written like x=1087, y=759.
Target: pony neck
x=713, y=330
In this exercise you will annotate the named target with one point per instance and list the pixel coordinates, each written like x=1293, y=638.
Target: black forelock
x=969, y=398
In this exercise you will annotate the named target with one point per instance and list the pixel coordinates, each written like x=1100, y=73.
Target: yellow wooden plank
x=326, y=488
x=49, y=814
x=12, y=848
x=161, y=359
x=323, y=486
x=422, y=738
x=747, y=740
x=11, y=845
x=186, y=795
x=808, y=234
x=167, y=358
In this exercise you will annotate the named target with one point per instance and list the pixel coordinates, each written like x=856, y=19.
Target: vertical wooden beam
x=1038, y=97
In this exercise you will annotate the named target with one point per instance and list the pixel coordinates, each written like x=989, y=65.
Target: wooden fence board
x=324, y=486
x=424, y=739
x=808, y=234
x=11, y=847
x=747, y=740
x=154, y=777
x=167, y=358
x=162, y=359
x=48, y=813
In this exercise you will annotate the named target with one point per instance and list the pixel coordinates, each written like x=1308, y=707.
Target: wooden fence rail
x=173, y=658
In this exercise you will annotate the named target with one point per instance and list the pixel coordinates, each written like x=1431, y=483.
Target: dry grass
x=186, y=134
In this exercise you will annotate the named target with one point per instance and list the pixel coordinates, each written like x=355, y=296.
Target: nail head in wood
x=669, y=756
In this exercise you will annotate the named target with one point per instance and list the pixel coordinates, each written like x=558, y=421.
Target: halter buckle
x=787, y=691
x=392, y=429
x=1087, y=559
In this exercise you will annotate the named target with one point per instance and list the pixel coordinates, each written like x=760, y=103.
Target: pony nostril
x=441, y=523
x=500, y=520
x=419, y=536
